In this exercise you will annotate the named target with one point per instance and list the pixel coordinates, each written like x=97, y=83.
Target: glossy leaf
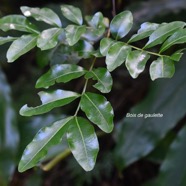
x=83, y=142
x=96, y=20
x=136, y=61
x=121, y=24
x=160, y=34
x=44, y=139
x=48, y=38
x=83, y=49
x=104, y=78
x=137, y=136
x=73, y=33
x=8, y=39
x=172, y=170
x=145, y=31
x=97, y=105
x=178, y=37
x=163, y=67
x=116, y=55
x=50, y=100
x=177, y=55
x=94, y=34
x=42, y=14
x=59, y=73
x=105, y=45
x=21, y=46
x=17, y=22
x=72, y=13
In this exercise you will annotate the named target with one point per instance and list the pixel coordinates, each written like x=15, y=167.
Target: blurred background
x=132, y=155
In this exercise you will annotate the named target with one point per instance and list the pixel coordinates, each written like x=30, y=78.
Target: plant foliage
x=80, y=37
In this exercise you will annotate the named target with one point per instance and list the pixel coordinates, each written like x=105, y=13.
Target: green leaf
x=105, y=45
x=177, y=55
x=59, y=73
x=48, y=38
x=136, y=61
x=94, y=34
x=83, y=48
x=42, y=14
x=160, y=34
x=163, y=67
x=50, y=100
x=97, y=53
x=121, y=24
x=7, y=39
x=72, y=13
x=9, y=135
x=173, y=169
x=145, y=31
x=97, y=105
x=104, y=78
x=178, y=37
x=137, y=136
x=74, y=33
x=17, y=22
x=21, y=46
x=83, y=142
x=96, y=20
x=116, y=55
x=44, y=139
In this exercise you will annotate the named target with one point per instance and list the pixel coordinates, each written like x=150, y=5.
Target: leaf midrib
x=99, y=80
x=45, y=144
x=47, y=18
x=172, y=43
x=97, y=109
x=82, y=137
x=55, y=79
x=22, y=49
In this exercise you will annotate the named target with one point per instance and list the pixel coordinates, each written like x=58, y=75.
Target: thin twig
x=113, y=8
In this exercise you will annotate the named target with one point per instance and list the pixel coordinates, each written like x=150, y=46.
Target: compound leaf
x=59, y=73
x=163, y=67
x=72, y=13
x=42, y=14
x=44, y=139
x=97, y=105
x=116, y=55
x=104, y=78
x=21, y=46
x=83, y=142
x=121, y=24
x=50, y=100
x=136, y=61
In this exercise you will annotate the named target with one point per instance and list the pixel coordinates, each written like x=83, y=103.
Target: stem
x=85, y=86
x=113, y=8
x=63, y=155
x=57, y=159
x=153, y=53
x=67, y=152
